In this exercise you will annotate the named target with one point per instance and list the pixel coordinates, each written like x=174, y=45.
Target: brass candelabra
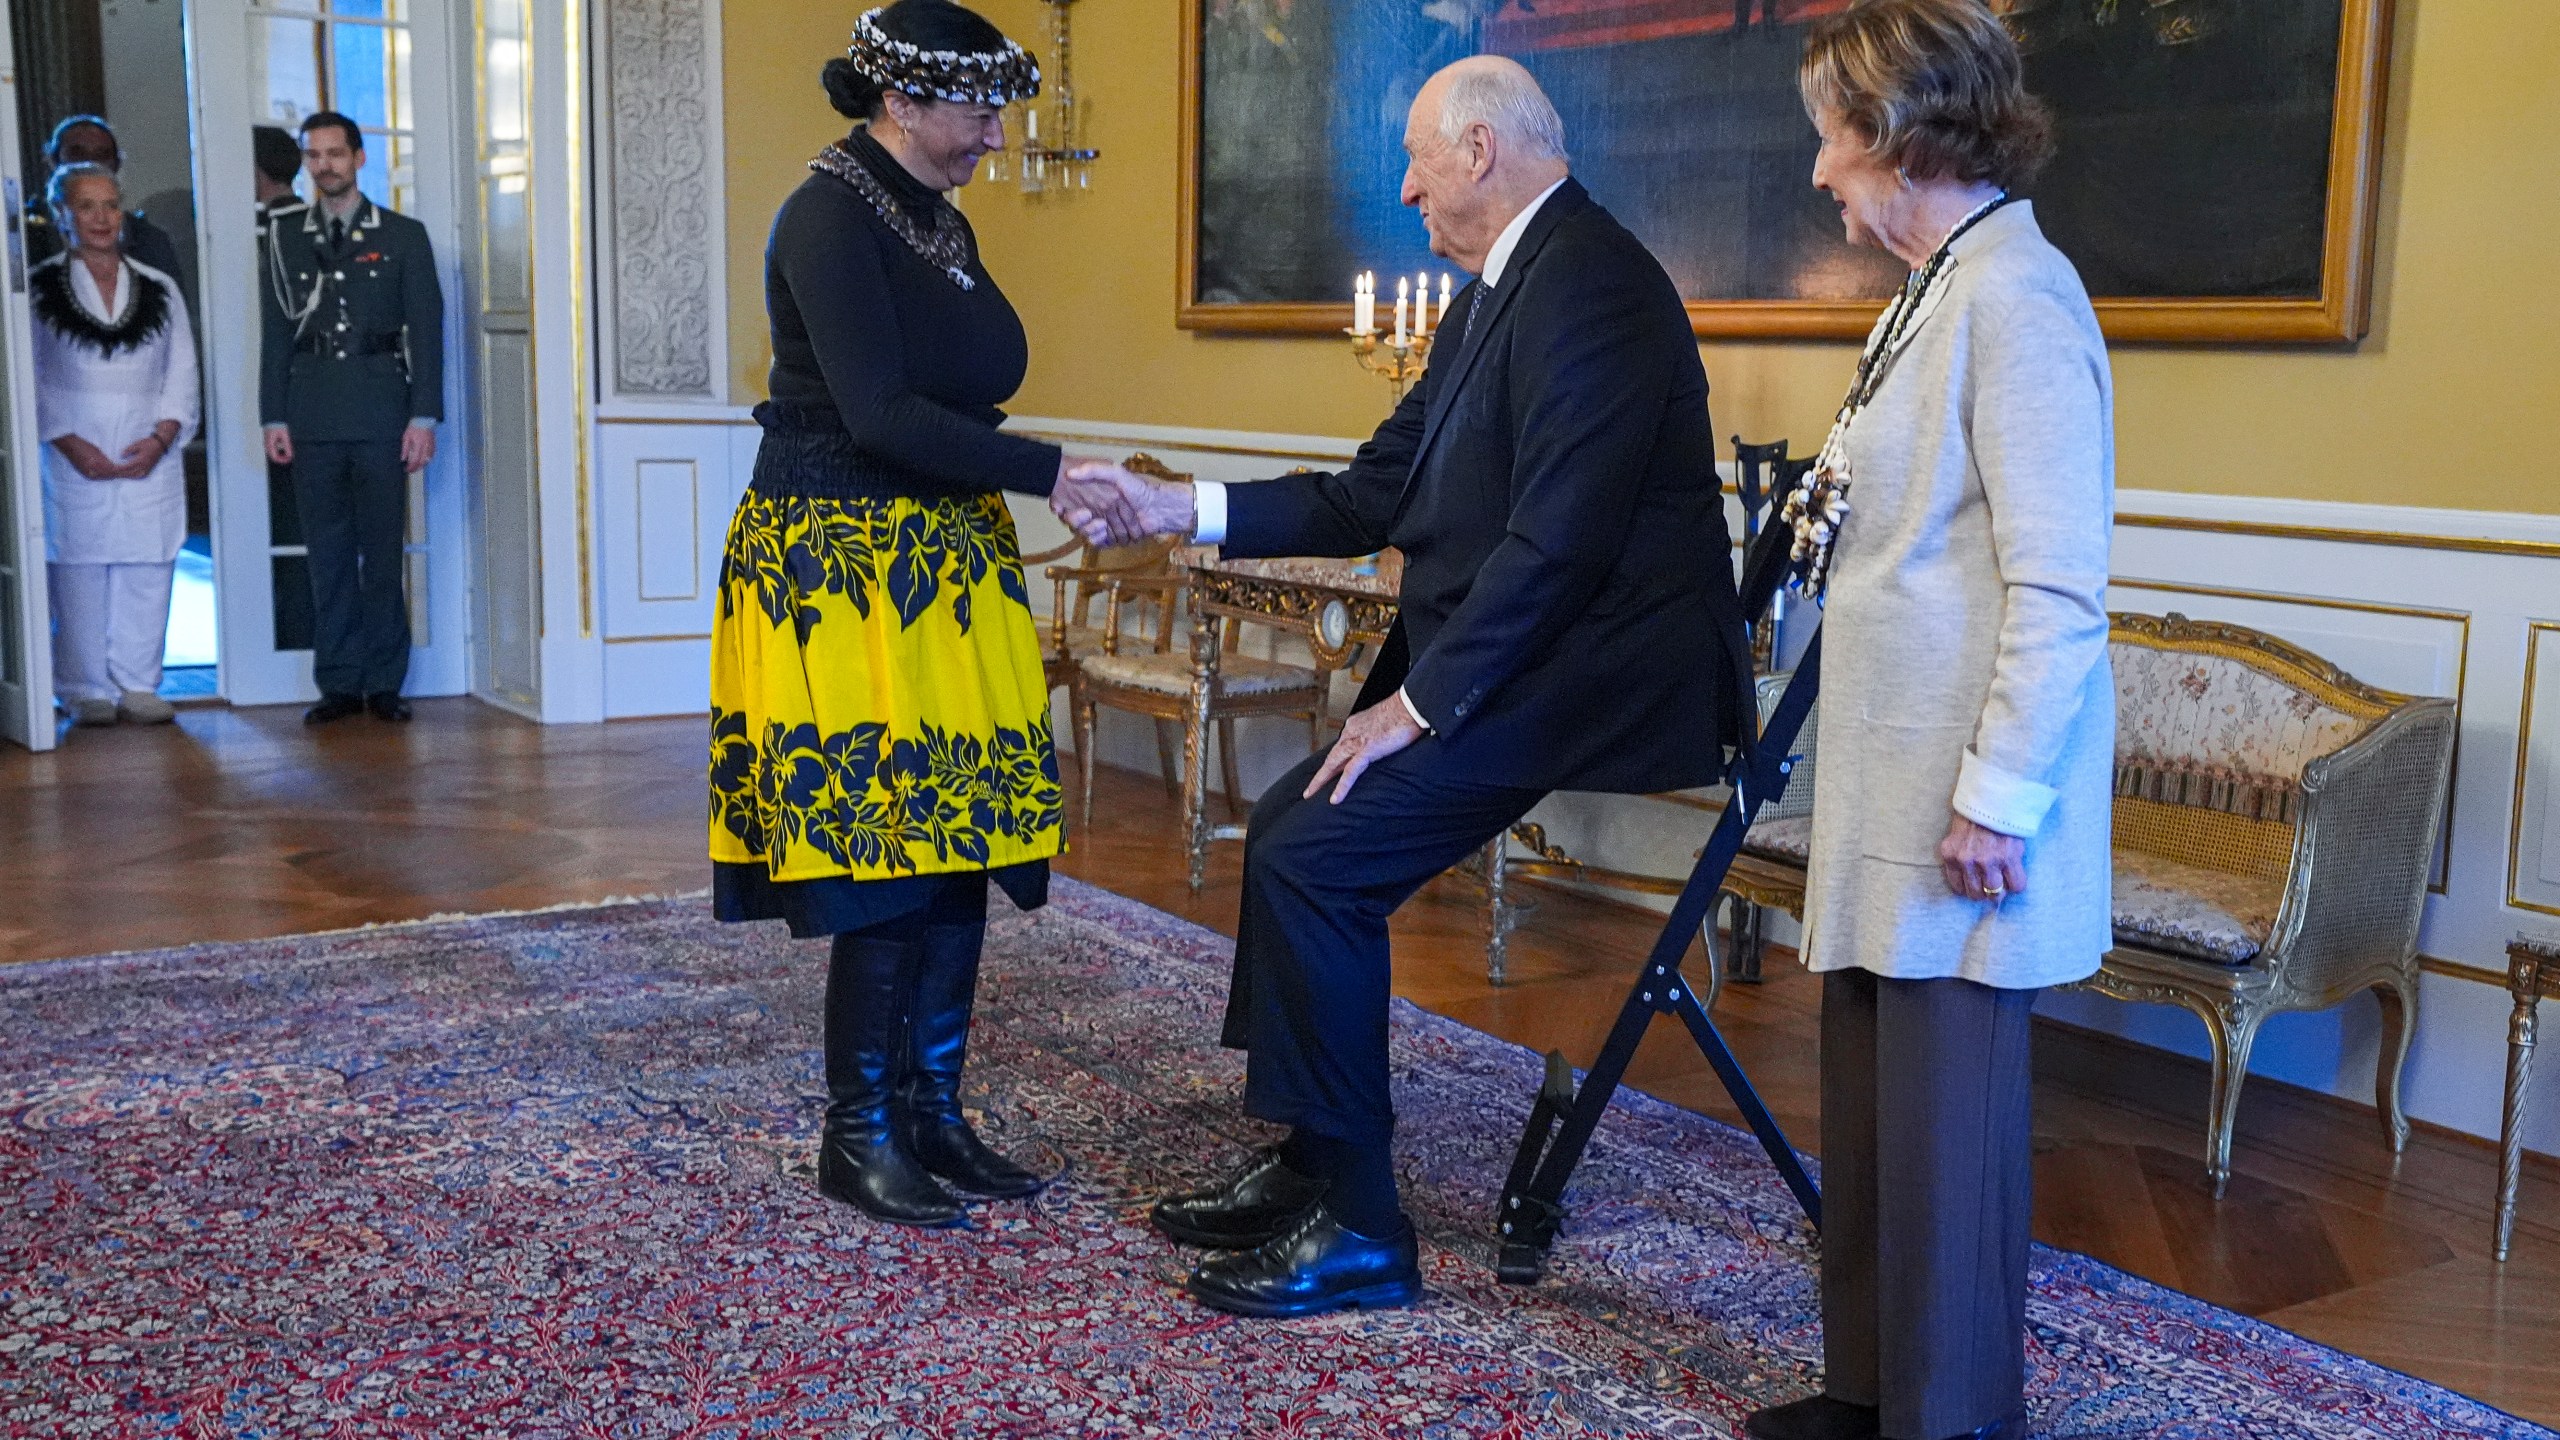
x=1399, y=362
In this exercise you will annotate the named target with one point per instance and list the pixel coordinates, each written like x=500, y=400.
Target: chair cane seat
x=1170, y=674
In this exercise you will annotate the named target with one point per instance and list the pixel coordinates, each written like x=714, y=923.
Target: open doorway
x=104, y=82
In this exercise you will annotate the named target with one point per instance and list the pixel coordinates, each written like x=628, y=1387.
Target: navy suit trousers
x=1309, y=1001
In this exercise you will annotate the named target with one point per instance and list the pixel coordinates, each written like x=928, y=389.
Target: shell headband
x=966, y=77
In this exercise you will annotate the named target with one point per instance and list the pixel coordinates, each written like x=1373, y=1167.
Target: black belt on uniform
x=322, y=344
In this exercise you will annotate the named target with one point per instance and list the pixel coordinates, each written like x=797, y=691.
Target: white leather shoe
x=141, y=707
x=93, y=711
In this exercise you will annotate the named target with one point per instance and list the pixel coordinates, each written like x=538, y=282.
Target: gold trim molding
x=2396, y=539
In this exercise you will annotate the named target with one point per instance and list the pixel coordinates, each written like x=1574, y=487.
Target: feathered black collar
x=57, y=306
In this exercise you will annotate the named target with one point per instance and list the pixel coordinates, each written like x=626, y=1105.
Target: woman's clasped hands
x=1109, y=504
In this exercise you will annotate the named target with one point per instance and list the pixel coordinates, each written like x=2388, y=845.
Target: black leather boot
x=929, y=1120
x=860, y=1159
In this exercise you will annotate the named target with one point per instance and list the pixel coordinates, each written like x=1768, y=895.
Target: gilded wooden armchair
x=2275, y=820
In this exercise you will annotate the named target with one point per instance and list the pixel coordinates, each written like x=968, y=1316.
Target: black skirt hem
x=743, y=891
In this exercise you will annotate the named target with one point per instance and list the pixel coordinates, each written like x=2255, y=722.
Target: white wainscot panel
x=665, y=492
x=2533, y=879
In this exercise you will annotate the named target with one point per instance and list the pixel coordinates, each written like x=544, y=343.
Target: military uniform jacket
x=354, y=332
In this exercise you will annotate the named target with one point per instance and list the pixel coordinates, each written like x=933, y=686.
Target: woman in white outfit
x=1960, y=515
x=116, y=398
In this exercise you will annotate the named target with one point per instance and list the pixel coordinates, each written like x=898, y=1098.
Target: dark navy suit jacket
x=1568, y=618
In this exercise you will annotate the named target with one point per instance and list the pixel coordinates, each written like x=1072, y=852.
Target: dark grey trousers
x=1927, y=1178
x=354, y=499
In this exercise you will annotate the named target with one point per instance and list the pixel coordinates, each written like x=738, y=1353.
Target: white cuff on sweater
x=1997, y=800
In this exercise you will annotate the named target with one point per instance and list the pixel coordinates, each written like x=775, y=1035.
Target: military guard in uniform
x=352, y=388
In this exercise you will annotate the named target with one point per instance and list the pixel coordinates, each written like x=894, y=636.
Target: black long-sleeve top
x=913, y=365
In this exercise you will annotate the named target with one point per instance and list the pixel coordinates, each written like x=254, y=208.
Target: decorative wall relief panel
x=661, y=89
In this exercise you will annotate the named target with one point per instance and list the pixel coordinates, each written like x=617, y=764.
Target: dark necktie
x=1475, y=307
x=337, y=234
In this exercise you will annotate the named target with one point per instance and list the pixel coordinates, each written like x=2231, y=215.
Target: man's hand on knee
x=1369, y=737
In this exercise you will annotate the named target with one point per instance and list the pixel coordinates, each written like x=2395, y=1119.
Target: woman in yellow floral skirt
x=880, y=742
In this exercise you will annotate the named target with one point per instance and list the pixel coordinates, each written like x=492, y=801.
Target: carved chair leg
x=1084, y=756
x=1498, y=918
x=1228, y=769
x=1742, y=922
x=2399, y=1024
x=2520, y=1041
x=2234, y=1034
x=1717, y=961
x=1167, y=760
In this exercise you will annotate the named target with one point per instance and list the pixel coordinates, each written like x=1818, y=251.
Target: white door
x=387, y=65
x=26, y=627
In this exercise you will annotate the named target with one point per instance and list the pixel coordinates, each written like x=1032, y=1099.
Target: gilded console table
x=2533, y=971
x=1335, y=605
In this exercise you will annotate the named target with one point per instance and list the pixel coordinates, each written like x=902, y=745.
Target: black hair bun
x=854, y=96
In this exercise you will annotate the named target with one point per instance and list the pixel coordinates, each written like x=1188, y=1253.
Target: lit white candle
x=1444, y=299
x=1404, y=297
x=1421, y=306
x=1031, y=126
x=1364, y=302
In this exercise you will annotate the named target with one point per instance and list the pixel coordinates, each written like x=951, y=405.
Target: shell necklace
x=1820, y=502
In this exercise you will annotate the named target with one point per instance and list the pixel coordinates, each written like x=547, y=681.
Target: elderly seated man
x=1566, y=623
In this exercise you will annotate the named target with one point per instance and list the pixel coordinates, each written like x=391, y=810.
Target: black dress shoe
x=1249, y=1208
x=1817, y=1417
x=333, y=707
x=1314, y=1268
x=387, y=705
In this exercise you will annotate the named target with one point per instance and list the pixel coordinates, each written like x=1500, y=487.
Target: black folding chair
x=1531, y=1212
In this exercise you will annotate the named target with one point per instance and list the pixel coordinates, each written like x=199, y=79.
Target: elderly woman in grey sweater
x=1958, y=526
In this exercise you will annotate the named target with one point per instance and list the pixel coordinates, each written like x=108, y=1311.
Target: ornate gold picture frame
x=1277, y=209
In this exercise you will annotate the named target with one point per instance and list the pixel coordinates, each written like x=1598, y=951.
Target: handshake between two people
x=1110, y=504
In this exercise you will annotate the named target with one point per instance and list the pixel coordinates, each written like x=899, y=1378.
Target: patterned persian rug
x=545, y=1176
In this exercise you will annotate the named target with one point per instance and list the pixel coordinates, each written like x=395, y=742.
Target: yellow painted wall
x=2451, y=400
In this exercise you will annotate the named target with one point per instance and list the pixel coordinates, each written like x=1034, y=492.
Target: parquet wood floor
x=239, y=824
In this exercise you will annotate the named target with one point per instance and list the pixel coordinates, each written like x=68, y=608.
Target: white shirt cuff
x=1209, y=507
x=1997, y=800
x=427, y=420
x=1407, y=702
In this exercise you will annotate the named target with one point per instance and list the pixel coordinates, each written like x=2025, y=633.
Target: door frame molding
x=26, y=708
x=252, y=671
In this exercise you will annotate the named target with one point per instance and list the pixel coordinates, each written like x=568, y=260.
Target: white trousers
x=110, y=628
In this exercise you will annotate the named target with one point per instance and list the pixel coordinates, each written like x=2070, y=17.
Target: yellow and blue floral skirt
x=878, y=706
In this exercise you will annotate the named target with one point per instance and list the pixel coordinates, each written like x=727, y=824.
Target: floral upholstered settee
x=2275, y=821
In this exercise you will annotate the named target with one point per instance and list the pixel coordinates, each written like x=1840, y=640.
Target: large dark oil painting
x=2213, y=180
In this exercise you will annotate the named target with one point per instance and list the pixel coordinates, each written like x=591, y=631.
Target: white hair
x=1504, y=97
